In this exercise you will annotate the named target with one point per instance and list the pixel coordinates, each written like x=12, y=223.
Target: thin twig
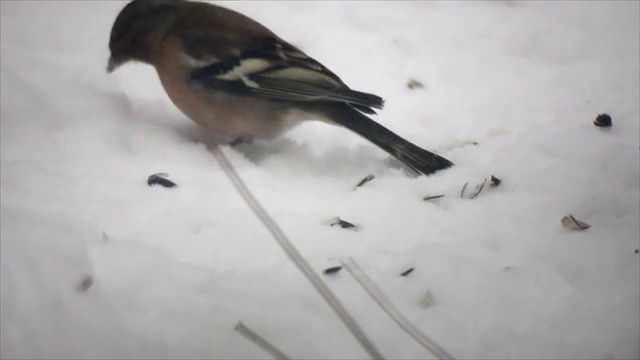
x=295, y=256
x=379, y=297
x=260, y=341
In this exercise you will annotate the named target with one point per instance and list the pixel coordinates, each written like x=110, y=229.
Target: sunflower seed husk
x=427, y=300
x=603, y=120
x=495, y=181
x=572, y=223
x=407, y=272
x=414, y=84
x=85, y=283
x=160, y=179
x=432, y=197
x=336, y=221
x=365, y=180
x=478, y=190
x=332, y=270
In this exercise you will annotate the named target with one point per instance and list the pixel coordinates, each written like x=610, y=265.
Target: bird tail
x=415, y=157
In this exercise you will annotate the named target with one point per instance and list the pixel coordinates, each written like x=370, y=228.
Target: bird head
x=137, y=30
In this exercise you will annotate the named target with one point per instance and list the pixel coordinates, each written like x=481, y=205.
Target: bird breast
x=231, y=115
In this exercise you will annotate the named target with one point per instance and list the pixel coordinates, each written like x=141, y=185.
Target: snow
x=175, y=269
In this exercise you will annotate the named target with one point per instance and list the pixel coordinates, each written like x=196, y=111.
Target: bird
x=240, y=81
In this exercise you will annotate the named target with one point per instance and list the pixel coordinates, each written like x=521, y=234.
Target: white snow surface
x=175, y=269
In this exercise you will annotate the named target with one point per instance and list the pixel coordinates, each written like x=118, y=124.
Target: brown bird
x=239, y=80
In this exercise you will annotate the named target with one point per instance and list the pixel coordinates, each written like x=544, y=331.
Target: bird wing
x=268, y=68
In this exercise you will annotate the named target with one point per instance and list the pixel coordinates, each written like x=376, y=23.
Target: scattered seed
x=332, y=270
x=365, y=180
x=160, y=179
x=495, y=181
x=85, y=283
x=636, y=251
x=572, y=223
x=407, y=272
x=603, y=120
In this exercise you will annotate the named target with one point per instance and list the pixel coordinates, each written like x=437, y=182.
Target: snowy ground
x=174, y=269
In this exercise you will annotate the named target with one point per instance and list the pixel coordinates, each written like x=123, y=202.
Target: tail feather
x=415, y=157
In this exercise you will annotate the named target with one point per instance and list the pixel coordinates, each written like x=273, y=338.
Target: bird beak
x=112, y=65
